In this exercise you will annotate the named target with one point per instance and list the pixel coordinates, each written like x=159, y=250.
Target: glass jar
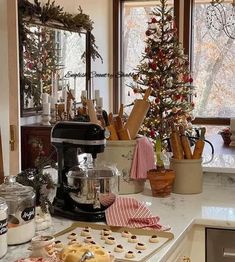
x=21, y=210
x=3, y=227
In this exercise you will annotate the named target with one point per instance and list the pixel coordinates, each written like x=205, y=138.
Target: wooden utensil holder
x=161, y=182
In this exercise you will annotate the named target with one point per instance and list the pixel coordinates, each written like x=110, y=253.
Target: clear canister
x=21, y=211
x=3, y=227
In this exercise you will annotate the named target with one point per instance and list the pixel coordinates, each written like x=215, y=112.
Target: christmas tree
x=41, y=58
x=165, y=68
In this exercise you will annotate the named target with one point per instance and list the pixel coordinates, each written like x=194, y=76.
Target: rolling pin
x=199, y=145
x=91, y=112
x=123, y=132
x=111, y=128
x=176, y=146
x=138, y=114
x=185, y=144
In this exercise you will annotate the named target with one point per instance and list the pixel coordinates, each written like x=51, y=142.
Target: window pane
x=213, y=66
x=135, y=17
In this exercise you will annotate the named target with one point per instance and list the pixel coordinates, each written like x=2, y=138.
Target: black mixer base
x=78, y=214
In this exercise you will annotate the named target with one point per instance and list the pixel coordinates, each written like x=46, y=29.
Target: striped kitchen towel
x=128, y=212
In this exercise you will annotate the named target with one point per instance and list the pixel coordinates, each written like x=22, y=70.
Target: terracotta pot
x=161, y=182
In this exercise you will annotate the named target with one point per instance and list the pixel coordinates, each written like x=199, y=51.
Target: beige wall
x=4, y=84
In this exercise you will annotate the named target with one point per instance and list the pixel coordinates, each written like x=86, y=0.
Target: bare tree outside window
x=135, y=18
x=213, y=68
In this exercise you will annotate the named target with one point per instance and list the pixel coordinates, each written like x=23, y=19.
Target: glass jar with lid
x=3, y=227
x=21, y=210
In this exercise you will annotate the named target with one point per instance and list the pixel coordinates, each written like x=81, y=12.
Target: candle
x=55, y=86
x=64, y=95
x=45, y=97
x=84, y=94
x=53, y=102
x=41, y=86
x=52, y=84
x=232, y=124
x=99, y=102
x=97, y=94
x=46, y=108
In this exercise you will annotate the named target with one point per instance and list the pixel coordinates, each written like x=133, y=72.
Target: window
x=131, y=35
x=136, y=14
x=213, y=67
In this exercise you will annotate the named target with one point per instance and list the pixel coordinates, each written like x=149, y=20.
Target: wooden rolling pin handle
x=186, y=147
x=124, y=134
x=118, y=124
x=198, y=149
x=147, y=93
x=176, y=146
x=121, y=110
x=113, y=133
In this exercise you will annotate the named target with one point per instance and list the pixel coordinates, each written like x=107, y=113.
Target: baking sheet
x=143, y=236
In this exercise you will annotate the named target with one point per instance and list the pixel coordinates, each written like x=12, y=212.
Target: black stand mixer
x=82, y=193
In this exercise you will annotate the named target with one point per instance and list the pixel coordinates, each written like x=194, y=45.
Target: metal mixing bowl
x=92, y=189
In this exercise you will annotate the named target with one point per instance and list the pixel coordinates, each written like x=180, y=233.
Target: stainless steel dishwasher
x=220, y=245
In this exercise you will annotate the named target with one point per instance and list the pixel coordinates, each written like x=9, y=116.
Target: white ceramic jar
x=3, y=227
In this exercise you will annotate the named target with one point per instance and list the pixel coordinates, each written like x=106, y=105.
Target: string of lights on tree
x=165, y=68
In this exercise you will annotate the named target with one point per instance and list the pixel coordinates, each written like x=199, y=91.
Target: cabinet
x=35, y=143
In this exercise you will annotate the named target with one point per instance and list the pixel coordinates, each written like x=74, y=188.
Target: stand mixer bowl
x=92, y=190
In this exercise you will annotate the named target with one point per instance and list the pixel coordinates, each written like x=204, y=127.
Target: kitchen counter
x=214, y=207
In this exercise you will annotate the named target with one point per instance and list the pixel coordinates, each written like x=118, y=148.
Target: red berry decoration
x=190, y=80
x=153, y=66
x=152, y=133
x=148, y=32
x=154, y=20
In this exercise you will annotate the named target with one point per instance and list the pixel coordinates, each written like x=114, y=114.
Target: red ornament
x=153, y=66
x=148, y=32
x=169, y=18
x=192, y=104
x=157, y=100
x=154, y=20
x=152, y=133
x=178, y=97
x=190, y=80
x=30, y=66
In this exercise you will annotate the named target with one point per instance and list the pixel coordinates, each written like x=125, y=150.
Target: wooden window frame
x=187, y=44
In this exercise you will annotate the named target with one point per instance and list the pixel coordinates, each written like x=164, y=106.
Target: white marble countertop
x=214, y=207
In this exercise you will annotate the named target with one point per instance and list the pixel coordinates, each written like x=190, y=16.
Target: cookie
x=110, y=240
x=58, y=244
x=140, y=246
x=133, y=239
x=153, y=239
x=129, y=254
x=88, y=239
x=85, y=232
x=106, y=231
x=119, y=249
x=72, y=236
x=73, y=241
x=105, y=235
x=126, y=234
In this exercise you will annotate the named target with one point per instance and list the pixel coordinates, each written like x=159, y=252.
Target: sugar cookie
x=129, y=254
x=58, y=244
x=88, y=239
x=85, y=232
x=106, y=230
x=104, y=236
x=119, y=249
x=133, y=239
x=73, y=241
x=126, y=234
x=153, y=239
x=110, y=240
x=140, y=246
x=72, y=235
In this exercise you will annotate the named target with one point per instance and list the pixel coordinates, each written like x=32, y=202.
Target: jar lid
x=11, y=188
x=3, y=204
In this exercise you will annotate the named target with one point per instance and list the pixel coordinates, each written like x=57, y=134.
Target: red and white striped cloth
x=128, y=212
